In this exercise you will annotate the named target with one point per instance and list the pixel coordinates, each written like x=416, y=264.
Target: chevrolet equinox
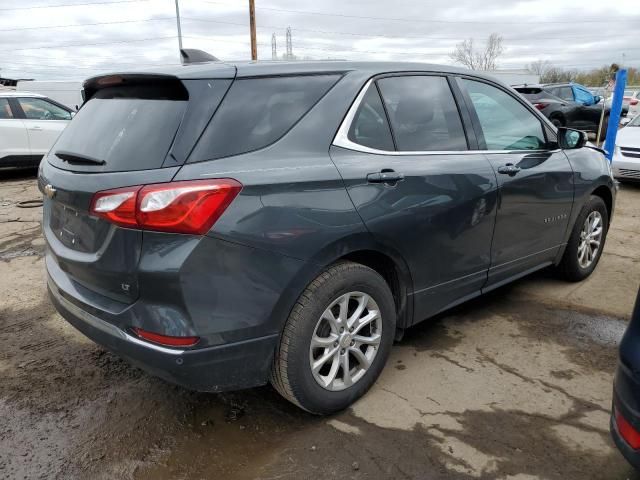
x=224, y=226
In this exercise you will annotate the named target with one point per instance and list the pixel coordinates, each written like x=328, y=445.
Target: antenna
x=289, y=55
x=274, y=47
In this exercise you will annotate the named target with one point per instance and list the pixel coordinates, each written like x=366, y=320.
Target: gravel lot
x=514, y=385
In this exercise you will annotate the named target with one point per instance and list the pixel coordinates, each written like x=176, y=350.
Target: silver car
x=626, y=156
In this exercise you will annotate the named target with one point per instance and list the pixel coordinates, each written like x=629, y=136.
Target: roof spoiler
x=192, y=55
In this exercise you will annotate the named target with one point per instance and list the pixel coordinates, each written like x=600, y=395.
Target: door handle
x=509, y=169
x=35, y=128
x=385, y=176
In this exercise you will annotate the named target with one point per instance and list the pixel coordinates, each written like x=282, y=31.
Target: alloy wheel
x=590, y=239
x=345, y=341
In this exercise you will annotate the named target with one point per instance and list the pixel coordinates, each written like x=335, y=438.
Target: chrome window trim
x=342, y=137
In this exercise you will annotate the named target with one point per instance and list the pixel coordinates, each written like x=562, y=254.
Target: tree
x=539, y=67
x=466, y=53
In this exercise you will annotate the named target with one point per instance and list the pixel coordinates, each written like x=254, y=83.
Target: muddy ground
x=514, y=385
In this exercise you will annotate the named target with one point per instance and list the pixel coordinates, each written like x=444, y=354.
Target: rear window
x=258, y=111
x=127, y=128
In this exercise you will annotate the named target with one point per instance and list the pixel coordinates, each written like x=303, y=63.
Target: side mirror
x=596, y=99
x=569, y=139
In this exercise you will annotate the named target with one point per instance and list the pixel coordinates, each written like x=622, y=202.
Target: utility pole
x=179, y=30
x=289, y=44
x=252, y=25
x=274, y=47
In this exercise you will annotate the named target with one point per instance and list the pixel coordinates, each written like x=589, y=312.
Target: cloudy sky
x=73, y=39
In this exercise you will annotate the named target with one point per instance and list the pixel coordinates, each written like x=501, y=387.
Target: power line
x=97, y=67
x=323, y=32
x=77, y=25
x=375, y=35
x=90, y=44
x=415, y=20
x=59, y=5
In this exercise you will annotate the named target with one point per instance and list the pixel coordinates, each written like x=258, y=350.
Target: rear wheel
x=336, y=340
x=557, y=122
x=586, y=242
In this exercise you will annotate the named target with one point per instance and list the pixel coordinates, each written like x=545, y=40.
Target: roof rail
x=192, y=55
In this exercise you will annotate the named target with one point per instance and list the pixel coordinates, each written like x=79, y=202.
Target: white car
x=626, y=156
x=29, y=126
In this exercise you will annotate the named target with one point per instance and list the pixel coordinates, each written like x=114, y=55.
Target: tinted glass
x=423, y=113
x=505, y=122
x=127, y=132
x=5, y=109
x=565, y=93
x=370, y=126
x=258, y=111
x=39, y=109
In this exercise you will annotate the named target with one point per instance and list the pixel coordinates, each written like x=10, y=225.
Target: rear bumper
x=231, y=366
x=626, y=400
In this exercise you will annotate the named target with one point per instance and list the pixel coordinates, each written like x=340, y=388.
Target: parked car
x=29, y=126
x=563, y=113
x=65, y=92
x=223, y=226
x=625, y=412
x=633, y=97
x=573, y=92
x=626, y=156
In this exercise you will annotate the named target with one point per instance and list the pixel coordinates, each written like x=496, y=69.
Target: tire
x=292, y=374
x=557, y=122
x=573, y=267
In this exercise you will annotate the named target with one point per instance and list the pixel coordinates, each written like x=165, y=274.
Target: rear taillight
x=541, y=105
x=633, y=102
x=166, y=340
x=630, y=434
x=178, y=207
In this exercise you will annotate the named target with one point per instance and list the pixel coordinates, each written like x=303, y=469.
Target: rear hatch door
x=131, y=130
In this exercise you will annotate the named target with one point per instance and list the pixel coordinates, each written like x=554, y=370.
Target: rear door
x=44, y=120
x=14, y=142
x=422, y=193
x=131, y=131
x=535, y=180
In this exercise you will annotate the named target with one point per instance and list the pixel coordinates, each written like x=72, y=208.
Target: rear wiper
x=78, y=159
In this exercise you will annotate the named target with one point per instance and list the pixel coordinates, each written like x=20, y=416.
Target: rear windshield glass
x=258, y=111
x=127, y=128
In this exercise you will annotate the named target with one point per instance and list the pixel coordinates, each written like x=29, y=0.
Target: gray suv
x=223, y=226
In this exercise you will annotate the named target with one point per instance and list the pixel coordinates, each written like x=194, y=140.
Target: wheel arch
x=558, y=116
x=607, y=197
x=360, y=248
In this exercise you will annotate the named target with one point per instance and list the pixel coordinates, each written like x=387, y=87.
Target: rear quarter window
x=256, y=112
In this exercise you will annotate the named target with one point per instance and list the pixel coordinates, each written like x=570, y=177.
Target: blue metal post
x=614, y=115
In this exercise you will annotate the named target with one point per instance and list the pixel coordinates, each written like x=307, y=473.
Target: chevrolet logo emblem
x=49, y=191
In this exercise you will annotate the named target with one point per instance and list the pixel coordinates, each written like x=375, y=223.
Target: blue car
x=625, y=415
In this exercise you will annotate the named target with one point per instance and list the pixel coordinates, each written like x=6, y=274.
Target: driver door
x=44, y=120
x=535, y=181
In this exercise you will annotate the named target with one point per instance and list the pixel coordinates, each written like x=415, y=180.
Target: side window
x=370, y=126
x=5, y=109
x=258, y=111
x=566, y=93
x=423, y=113
x=506, y=123
x=39, y=109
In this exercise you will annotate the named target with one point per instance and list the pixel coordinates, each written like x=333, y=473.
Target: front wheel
x=586, y=242
x=336, y=340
